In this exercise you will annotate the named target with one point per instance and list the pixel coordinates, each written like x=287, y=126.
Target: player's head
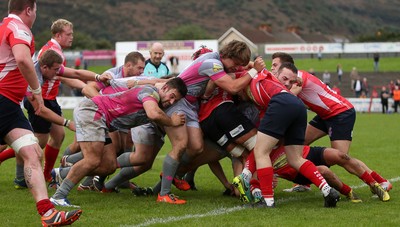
x=172, y=91
x=235, y=54
x=62, y=31
x=287, y=74
x=50, y=62
x=203, y=49
x=156, y=53
x=25, y=9
x=134, y=64
x=277, y=59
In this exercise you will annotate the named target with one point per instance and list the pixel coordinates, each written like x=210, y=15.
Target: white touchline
x=223, y=210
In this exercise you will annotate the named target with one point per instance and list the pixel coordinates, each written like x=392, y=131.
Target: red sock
x=345, y=190
x=50, y=157
x=251, y=163
x=43, y=206
x=367, y=178
x=377, y=177
x=7, y=154
x=265, y=175
x=310, y=171
x=254, y=183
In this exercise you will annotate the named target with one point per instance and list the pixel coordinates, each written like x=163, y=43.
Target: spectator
x=174, y=64
x=391, y=87
x=365, y=87
x=385, y=99
x=326, y=77
x=319, y=55
x=78, y=63
x=357, y=87
x=353, y=77
x=311, y=71
x=339, y=71
x=396, y=98
x=376, y=62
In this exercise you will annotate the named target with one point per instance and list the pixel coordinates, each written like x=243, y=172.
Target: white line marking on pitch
x=223, y=210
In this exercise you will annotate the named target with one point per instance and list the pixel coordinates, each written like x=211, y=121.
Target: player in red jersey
x=335, y=114
x=285, y=118
x=323, y=158
x=17, y=72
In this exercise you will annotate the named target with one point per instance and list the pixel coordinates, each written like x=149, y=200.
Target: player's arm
x=84, y=75
x=52, y=117
x=233, y=86
x=132, y=83
x=73, y=83
x=297, y=86
x=24, y=61
x=91, y=89
x=155, y=114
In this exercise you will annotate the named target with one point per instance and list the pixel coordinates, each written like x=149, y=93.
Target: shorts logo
x=222, y=141
x=217, y=67
x=236, y=131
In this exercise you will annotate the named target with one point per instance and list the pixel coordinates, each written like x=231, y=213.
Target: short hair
x=178, y=84
x=288, y=65
x=238, y=51
x=17, y=6
x=49, y=57
x=284, y=57
x=134, y=57
x=58, y=26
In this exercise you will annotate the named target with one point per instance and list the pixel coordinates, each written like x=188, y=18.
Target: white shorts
x=87, y=127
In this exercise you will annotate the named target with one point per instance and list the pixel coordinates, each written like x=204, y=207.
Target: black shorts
x=225, y=124
x=316, y=156
x=11, y=117
x=39, y=124
x=339, y=127
x=286, y=118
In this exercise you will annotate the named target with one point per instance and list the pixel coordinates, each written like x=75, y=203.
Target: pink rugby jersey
x=124, y=110
x=196, y=75
x=12, y=32
x=320, y=98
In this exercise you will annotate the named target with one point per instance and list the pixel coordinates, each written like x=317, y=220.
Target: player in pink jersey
x=17, y=72
x=95, y=117
x=335, y=114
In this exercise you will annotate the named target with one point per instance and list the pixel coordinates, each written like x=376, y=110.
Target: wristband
x=252, y=72
x=97, y=77
x=37, y=91
x=66, y=122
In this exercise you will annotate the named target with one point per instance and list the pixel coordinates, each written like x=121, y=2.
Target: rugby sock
x=378, y=177
x=43, y=206
x=265, y=176
x=64, y=189
x=125, y=174
x=74, y=158
x=88, y=181
x=251, y=163
x=67, y=151
x=19, y=171
x=246, y=174
x=367, y=178
x=6, y=154
x=50, y=157
x=123, y=160
x=170, y=166
x=345, y=189
x=64, y=172
x=310, y=171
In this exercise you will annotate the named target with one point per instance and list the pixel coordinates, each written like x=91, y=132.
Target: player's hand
x=37, y=103
x=72, y=126
x=105, y=77
x=178, y=119
x=259, y=64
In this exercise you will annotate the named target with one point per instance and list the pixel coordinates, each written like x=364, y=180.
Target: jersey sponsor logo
x=217, y=67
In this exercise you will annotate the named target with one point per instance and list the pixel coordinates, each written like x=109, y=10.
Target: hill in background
x=121, y=20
